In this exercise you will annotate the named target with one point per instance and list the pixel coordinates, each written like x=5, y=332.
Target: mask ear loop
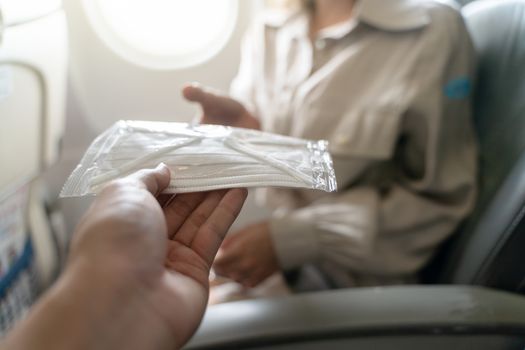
x=236, y=145
x=241, y=147
x=137, y=163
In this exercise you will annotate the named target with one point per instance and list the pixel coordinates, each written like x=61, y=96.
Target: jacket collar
x=387, y=15
x=393, y=15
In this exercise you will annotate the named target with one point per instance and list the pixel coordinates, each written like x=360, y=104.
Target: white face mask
x=202, y=158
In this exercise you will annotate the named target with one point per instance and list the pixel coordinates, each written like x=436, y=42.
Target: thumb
x=154, y=180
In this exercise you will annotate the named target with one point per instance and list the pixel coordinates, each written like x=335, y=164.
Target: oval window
x=164, y=34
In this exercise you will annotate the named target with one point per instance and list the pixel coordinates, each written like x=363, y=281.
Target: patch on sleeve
x=458, y=89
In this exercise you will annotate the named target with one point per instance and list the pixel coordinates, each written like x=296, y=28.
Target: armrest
x=362, y=312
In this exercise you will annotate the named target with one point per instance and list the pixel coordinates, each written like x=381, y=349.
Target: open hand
x=137, y=276
x=248, y=256
x=221, y=110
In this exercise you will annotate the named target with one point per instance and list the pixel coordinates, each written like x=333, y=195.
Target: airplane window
x=164, y=34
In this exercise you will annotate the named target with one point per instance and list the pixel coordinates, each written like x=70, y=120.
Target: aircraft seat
x=471, y=311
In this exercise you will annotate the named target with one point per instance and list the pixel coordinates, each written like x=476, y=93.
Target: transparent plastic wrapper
x=202, y=158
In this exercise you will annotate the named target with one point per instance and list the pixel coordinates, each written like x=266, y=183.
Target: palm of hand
x=197, y=224
x=151, y=253
x=223, y=110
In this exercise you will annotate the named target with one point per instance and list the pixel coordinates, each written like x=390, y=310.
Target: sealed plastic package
x=202, y=158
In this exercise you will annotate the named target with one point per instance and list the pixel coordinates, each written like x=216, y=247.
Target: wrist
x=113, y=303
x=91, y=308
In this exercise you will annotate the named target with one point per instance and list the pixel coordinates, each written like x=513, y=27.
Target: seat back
x=489, y=248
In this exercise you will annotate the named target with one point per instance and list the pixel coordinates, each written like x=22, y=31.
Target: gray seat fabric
x=487, y=249
x=464, y=2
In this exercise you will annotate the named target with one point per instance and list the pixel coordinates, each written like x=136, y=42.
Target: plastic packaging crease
x=202, y=158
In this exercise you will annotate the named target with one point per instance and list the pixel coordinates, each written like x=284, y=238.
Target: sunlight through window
x=164, y=33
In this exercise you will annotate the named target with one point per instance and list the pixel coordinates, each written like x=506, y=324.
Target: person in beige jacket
x=388, y=83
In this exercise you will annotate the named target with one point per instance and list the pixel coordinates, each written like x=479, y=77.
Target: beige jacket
x=390, y=90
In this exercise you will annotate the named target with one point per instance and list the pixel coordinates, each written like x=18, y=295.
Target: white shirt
x=390, y=90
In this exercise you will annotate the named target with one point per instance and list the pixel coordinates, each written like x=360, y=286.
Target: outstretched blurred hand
x=137, y=277
x=221, y=110
x=248, y=256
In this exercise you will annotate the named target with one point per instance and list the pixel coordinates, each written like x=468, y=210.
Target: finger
x=180, y=208
x=228, y=258
x=236, y=277
x=154, y=180
x=220, y=271
x=233, y=273
x=256, y=277
x=231, y=239
x=204, y=95
x=212, y=102
x=223, y=268
x=211, y=234
x=194, y=93
x=165, y=199
x=252, y=282
x=196, y=216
